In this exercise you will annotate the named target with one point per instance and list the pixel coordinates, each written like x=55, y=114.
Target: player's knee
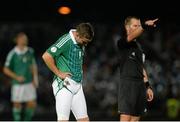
x=31, y=104
x=17, y=105
x=86, y=119
x=63, y=121
x=124, y=117
x=135, y=118
x=62, y=118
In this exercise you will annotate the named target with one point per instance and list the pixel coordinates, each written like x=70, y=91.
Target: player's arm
x=59, y=47
x=149, y=90
x=50, y=62
x=34, y=69
x=12, y=75
x=8, y=70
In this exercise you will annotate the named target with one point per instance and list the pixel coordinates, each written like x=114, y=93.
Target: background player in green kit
x=21, y=67
x=65, y=58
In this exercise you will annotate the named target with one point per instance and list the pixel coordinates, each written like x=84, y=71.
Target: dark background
x=42, y=23
x=93, y=10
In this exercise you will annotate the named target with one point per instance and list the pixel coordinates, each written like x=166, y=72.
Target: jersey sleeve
x=59, y=46
x=9, y=59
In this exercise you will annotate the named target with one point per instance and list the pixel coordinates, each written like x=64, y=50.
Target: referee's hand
x=151, y=22
x=150, y=94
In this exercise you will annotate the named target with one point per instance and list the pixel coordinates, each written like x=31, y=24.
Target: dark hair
x=85, y=30
x=19, y=35
x=129, y=18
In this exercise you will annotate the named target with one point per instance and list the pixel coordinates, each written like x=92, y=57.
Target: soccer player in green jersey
x=65, y=58
x=20, y=66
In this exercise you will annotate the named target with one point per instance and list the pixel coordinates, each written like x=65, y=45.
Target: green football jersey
x=20, y=63
x=68, y=56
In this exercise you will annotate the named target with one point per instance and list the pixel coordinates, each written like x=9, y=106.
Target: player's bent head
x=85, y=30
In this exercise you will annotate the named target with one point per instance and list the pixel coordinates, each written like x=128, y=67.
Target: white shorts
x=23, y=92
x=67, y=101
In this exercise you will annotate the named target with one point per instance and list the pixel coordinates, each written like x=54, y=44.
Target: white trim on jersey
x=72, y=36
x=9, y=57
x=63, y=41
x=19, y=52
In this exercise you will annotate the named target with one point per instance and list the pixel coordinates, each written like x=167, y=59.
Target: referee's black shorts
x=132, y=97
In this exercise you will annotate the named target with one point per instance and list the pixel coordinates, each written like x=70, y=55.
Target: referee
x=134, y=88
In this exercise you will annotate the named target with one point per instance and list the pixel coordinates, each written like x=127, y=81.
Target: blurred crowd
x=101, y=75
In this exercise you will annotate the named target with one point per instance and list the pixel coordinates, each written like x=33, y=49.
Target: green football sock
x=17, y=114
x=29, y=112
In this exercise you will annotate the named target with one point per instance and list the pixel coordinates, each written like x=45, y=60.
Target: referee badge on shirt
x=132, y=56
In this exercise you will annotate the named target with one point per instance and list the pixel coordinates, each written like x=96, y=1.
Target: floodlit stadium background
x=45, y=21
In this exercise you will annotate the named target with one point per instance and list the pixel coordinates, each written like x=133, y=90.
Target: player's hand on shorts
x=63, y=75
x=20, y=79
x=150, y=94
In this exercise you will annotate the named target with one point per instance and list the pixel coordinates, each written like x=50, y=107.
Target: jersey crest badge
x=53, y=49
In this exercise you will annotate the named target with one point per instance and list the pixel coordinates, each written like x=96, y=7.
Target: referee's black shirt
x=131, y=60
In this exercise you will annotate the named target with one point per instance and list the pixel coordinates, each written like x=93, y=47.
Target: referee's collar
x=72, y=36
